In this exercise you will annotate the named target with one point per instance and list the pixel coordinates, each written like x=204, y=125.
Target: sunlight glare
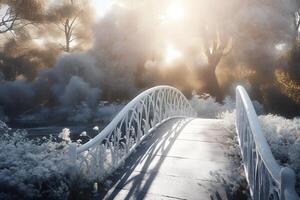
x=174, y=12
x=102, y=7
x=172, y=54
x=280, y=46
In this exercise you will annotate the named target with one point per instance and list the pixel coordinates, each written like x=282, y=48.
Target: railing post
x=72, y=152
x=288, y=182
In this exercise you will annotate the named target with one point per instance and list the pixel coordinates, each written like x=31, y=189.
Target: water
x=38, y=131
x=45, y=122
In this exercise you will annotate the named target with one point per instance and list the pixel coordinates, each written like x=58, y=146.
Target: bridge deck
x=177, y=161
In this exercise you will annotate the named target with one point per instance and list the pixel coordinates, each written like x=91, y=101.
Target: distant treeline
x=57, y=53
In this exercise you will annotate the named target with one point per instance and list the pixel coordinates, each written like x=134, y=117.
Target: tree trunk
x=67, y=44
x=212, y=86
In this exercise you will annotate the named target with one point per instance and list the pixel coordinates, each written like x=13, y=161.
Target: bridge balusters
x=108, y=150
x=267, y=180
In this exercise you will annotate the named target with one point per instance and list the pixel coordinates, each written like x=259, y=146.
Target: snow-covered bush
x=107, y=112
x=16, y=95
x=65, y=135
x=36, y=169
x=3, y=128
x=76, y=79
x=78, y=91
x=283, y=136
x=207, y=107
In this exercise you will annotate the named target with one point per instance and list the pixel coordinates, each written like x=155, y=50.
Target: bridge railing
x=109, y=149
x=266, y=178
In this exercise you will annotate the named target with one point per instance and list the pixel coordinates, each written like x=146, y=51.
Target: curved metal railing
x=109, y=149
x=266, y=178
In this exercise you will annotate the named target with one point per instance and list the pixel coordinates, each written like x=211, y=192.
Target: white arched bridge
x=157, y=148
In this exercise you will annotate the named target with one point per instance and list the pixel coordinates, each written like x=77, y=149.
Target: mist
x=137, y=45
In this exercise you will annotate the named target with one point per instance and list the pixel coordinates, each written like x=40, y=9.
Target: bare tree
x=216, y=45
x=68, y=28
x=72, y=18
x=8, y=19
x=18, y=14
x=68, y=23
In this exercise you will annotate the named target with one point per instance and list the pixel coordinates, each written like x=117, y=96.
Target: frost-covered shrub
x=65, y=135
x=207, y=107
x=229, y=125
x=283, y=136
x=78, y=91
x=37, y=169
x=107, y=113
x=16, y=95
x=74, y=79
x=3, y=128
x=237, y=183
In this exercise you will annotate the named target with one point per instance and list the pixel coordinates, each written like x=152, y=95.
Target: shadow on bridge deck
x=177, y=161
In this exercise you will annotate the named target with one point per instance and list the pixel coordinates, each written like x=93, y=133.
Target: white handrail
x=266, y=178
x=109, y=149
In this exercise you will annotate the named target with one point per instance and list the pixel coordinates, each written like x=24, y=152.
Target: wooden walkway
x=178, y=160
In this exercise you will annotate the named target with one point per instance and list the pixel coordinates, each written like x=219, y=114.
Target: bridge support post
x=72, y=152
x=288, y=182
